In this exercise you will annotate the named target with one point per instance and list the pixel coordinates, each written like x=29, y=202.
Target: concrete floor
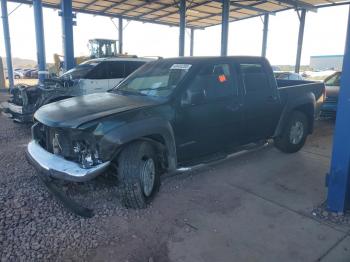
x=254, y=207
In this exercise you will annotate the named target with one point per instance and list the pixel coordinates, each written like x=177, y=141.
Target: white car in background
x=93, y=76
x=102, y=74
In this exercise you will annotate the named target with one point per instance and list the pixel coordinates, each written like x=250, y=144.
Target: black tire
x=288, y=142
x=132, y=164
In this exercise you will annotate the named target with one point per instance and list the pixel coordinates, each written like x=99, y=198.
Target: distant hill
x=20, y=63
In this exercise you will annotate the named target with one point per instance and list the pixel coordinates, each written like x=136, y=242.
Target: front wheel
x=294, y=135
x=138, y=173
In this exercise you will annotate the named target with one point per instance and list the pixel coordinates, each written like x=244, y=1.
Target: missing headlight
x=86, y=155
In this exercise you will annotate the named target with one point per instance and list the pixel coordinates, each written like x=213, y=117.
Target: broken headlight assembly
x=86, y=154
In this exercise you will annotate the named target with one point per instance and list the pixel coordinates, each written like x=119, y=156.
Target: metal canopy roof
x=200, y=13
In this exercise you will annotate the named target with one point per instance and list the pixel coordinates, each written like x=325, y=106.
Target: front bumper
x=16, y=112
x=58, y=167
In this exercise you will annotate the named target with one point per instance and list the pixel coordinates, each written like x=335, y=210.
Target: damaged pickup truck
x=169, y=114
x=93, y=76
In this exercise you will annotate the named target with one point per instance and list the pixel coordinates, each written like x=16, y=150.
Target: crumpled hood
x=73, y=112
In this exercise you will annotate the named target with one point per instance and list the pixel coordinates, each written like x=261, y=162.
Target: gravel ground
x=33, y=225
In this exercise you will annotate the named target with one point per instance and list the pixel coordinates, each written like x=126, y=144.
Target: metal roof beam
x=89, y=4
x=139, y=6
x=252, y=7
x=298, y=4
x=152, y=11
x=237, y=9
x=175, y=12
x=112, y=6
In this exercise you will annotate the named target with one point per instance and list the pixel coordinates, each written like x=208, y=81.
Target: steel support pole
x=67, y=30
x=224, y=26
x=192, y=42
x=120, y=35
x=300, y=40
x=40, y=41
x=6, y=29
x=339, y=176
x=265, y=33
x=182, y=10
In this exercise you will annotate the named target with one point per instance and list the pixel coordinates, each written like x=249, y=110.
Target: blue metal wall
x=339, y=176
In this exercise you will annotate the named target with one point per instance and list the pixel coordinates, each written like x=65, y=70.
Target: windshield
x=80, y=71
x=158, y=79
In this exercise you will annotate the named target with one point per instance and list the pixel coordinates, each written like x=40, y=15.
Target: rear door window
x=255, y=78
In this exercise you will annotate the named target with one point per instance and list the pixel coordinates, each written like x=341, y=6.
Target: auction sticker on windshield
x=180, y=67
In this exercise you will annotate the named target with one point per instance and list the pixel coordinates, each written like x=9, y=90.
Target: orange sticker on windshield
x=222, y=78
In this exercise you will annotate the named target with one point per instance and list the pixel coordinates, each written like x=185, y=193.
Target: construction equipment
x=102, y=48
x=98, y=48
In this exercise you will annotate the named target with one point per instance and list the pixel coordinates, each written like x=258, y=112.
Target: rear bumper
x=16, y=112
x=58, y=167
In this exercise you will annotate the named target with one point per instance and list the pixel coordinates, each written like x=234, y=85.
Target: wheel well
x=156, y=137
x=308, y=110
x=159, y=144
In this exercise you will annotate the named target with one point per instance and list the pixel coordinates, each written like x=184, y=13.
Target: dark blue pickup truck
x=169, y=114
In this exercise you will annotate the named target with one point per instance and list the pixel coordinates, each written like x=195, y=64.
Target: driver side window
x=212, y=82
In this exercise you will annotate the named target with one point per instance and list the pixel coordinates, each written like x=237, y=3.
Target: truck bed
x=289, y=89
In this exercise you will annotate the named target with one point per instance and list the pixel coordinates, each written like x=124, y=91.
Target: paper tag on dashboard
x=181, y=66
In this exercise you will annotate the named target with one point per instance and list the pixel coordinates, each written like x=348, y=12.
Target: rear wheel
x=138, y=173
x=294, y=134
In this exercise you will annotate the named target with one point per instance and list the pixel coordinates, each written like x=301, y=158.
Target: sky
x=325, y=33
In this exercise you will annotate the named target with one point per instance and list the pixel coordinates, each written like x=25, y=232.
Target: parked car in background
x=18, y=74
x=34, y=73
x=288, y=76
x=93, y=76
x=169, y=114
x=329, y=107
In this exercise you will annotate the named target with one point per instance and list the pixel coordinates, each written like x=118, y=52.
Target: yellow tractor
x=98, y=48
